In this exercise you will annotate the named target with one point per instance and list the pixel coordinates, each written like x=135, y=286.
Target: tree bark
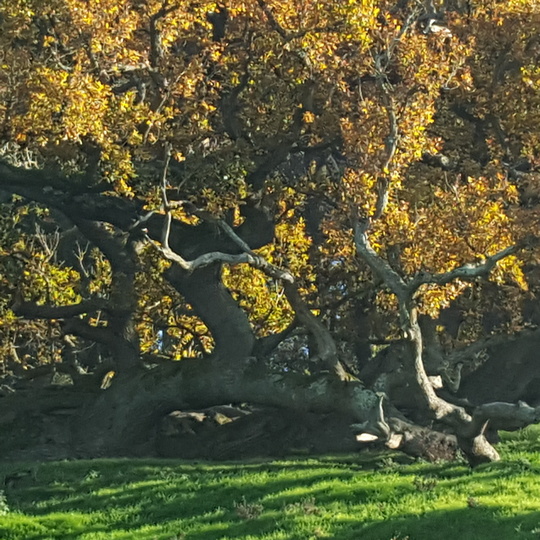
x=124, y=416
x=212, y=302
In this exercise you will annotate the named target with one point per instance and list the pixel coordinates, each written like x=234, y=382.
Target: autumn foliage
x=420, y=118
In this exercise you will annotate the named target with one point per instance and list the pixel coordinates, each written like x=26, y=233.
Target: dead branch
x=247, y=257
x=218, y=257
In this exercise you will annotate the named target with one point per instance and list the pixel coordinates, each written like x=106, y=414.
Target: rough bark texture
x=127, y=417
x=212, y=302
x=512, y=373
x=133, y=417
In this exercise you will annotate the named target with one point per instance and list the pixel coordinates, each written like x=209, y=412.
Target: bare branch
x=48, y=244
x=218, y=257
x=248, y=256
x=166, y=206
x=376, y=263
x=467, y=272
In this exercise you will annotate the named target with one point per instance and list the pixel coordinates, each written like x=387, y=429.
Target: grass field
x=367, y=496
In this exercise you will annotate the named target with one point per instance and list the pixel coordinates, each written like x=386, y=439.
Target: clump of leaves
x=4, y=507
x=245, y=510
x=425, y=484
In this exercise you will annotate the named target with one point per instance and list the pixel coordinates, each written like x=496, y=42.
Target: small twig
x=80, y=254
x=48, y=244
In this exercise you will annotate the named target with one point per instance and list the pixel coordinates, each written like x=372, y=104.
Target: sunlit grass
x=367, y=496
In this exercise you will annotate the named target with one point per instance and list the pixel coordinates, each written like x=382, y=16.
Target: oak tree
x=318, y=207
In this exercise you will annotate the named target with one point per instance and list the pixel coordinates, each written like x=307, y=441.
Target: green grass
x=367, y=496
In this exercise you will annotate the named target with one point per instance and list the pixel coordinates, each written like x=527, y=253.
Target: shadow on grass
x=462, y=524
x=333, y=497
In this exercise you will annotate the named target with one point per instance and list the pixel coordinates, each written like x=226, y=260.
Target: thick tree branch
x=505, y=416
x=200, y=383
x=81, y=328
x=272, y=20
x=114, y=247
x=122, y=303
x=30, y=310
x=230, y=105
x=214, y=257
x=275, y=156
x=326, y=350
x=466, y=353
x=377, y=264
